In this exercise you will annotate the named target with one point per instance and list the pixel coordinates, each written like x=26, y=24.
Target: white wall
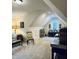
x=27, y=18
x=35, y=31
x=33, y=22
x=19, y=17
x=41, y=20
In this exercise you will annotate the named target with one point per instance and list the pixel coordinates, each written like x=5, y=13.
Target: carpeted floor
x=40, y=50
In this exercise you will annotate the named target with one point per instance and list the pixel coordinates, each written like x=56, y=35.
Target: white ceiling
x=61, y=5
x=34, y=9
x=31, y=6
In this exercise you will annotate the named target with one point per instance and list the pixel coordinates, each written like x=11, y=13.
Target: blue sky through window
x=54, y=22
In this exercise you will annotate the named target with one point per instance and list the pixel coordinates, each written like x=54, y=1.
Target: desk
x=60, y=49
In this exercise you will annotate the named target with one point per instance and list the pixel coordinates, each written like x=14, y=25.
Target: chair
x=29, y=38
x=20, y=37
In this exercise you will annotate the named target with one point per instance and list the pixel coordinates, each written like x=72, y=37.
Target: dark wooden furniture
x=61, y=50
x=16, y=43
x=63, y=36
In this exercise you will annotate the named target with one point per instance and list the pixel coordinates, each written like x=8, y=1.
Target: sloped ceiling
x=33, y=11
x=32, y=8
x=61, y=5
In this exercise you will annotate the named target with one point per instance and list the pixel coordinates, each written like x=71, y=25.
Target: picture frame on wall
x=21, y=24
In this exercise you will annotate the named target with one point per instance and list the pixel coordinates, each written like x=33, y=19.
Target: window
x=54, y=22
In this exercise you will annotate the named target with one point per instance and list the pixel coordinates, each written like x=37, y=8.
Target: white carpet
x=41, y=50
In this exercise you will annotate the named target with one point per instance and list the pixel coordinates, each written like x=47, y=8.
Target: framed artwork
x=21, y=24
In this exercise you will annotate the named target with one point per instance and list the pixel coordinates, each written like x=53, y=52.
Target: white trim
x=55, y=10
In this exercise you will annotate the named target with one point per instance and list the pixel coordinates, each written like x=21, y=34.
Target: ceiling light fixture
x=19, y=2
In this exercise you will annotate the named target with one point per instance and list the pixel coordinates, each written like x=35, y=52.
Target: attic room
x=39, y=29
